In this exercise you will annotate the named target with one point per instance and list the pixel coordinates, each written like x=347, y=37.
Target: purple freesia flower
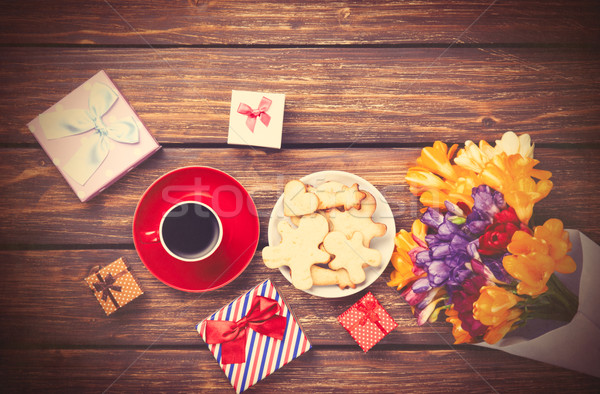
x=447, y=229
x=437, y=273
x=440, y=250
x=476, y=223
x=460, y=273
x=454, y=209
x=495, y=265
x=432, y=240
x=453, y=243
x=472, y=249
x=487, y=201
x=459, y=242
x=422, y=259
x=421, y=286
x=432, y=218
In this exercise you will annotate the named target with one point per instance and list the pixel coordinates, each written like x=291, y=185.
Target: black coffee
x=190, y=231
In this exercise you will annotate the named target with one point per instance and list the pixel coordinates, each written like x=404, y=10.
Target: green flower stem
x=557, y=303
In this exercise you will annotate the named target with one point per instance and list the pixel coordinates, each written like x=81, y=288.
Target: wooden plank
x=319, y=370
x=37, y=207
x=197, y=22
x=342, y=96
x=45, y=303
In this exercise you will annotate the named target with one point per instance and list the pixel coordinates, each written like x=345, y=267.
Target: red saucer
x=238, y=215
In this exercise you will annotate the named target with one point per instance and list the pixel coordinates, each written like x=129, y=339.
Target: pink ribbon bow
x=252, y=114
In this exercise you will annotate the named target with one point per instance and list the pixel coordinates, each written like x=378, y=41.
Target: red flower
x=498, y=234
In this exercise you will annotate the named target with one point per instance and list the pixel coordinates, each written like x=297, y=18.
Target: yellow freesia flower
x=473, y=157
x=403, y=266
x=419, y=229
x=436, y=159
x=436, y=180
x=512, y=144
x=403, y=270
x=534, y=258
x=512, y=175
x=496, y=333
x=421, y=179
x=558, y=244
x=434, y=199
x=508, y=167
x=495, y=306
x=460, y=335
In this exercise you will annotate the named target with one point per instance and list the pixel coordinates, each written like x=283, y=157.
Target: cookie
x=299, y=249
x=325, y=276
x=296, y=219
x=352, y=220
x=350, y=254
x=297, y=201
x=335, y=194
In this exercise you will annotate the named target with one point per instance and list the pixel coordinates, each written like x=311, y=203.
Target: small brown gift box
x=114, y=286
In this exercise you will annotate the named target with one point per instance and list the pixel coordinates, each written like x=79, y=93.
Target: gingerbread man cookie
x=299, y=249
x=297, y=201
x=352, y=220
x=325, y=276
x=350, y=254
x=335, y=194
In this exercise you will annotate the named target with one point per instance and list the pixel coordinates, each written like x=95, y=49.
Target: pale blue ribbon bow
x=95, y=147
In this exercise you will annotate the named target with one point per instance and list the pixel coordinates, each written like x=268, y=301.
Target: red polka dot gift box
x=367, y=321
x=114, y=285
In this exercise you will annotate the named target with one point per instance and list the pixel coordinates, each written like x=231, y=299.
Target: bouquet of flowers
x=472, y=253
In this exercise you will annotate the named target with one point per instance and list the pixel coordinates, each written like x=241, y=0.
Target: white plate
x=383, y=214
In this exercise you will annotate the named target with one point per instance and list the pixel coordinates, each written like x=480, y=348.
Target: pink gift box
x=367, y=321
x=263, y=354
x=93, y=136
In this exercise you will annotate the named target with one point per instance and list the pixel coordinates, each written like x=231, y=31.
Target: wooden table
x=367, y=85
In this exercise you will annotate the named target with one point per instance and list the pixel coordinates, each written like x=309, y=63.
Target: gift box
x=253, y=336
x=576, y=344
x=367, y=321
x=114, y=285
x=256, y=119
x=93, y=136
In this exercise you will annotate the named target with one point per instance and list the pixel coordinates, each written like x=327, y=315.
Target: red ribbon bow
x=262, y=318
x=368, y=308
x=260, y=113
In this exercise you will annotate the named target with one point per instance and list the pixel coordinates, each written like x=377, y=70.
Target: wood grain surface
x=31, y=184
x=312, y=22
x=367, y=85
x=385, y=96
x=321, y=370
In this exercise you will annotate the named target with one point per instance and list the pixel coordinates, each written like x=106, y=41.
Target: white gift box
x=93, y=136
x=256, y=119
